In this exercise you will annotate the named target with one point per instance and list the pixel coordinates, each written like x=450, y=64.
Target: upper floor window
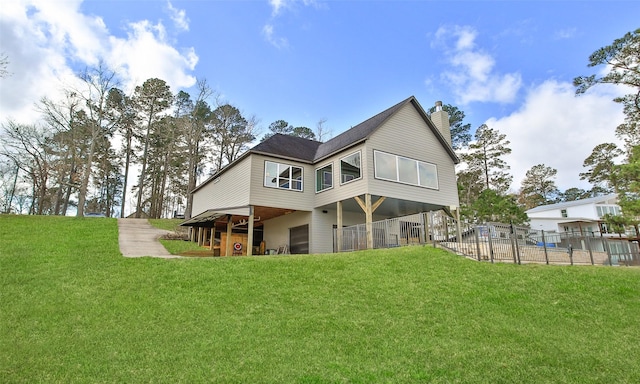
x=284, y=176
x=608, y=209
x=563, y=212
x=404, y=170
x=350, y=168
x=324, y=178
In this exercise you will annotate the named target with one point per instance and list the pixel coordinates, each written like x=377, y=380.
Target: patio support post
x=227, y=251
x=339, y=229
x=458, y=226
x=200, y=236
x=213, y=236
x=368, y=209
x=368, y=220
x=250, y=232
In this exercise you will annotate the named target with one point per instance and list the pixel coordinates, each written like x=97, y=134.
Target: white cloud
x=179, y=17
x=566, y=33
x=558, y=129
x=269, y=34
x=472, y=74
x=44, y=41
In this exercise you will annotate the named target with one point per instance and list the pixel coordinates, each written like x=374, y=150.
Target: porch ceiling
x=390, y=207
x=238, y=214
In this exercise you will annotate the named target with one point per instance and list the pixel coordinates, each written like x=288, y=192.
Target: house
x=579, y=216
x=289, y=193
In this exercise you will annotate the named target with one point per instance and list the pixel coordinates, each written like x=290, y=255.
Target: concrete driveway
x=138, y=238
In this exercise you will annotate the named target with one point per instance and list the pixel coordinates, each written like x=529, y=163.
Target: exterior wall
x=231, y=189
x=280, y=198
x=406, y=134
x=345, y=191
x=276, y=230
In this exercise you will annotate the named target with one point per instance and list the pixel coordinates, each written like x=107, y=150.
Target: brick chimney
x=441, y=120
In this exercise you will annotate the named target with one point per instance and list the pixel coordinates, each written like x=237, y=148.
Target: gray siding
x=280, y=198
x=276, y=230
x=406, y=134
x=231, y=189
x=347, y=190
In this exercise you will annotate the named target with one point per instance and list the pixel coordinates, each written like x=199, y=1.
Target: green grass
x=73, y=310
x=176, y=247
x=168, y=224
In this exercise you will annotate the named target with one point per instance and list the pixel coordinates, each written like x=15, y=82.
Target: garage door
x=299, y=239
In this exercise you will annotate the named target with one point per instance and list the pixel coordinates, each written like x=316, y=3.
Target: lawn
x=73, y=310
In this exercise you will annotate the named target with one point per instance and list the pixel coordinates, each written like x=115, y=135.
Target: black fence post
x=489, y=240
x=544, y=245
x=477, y=241
x=570, y=250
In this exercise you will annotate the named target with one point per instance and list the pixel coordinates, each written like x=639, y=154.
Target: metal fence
x=493, y=242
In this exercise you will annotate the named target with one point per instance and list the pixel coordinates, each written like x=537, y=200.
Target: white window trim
x=340, y=166
x=315, y=173
x=264, y=177
x=397, y=179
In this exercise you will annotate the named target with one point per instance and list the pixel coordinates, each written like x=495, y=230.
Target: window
x=282, y=176
x=350, y=168
x=563, y=212
x=404, y=170
x=324, y=178
x=608, y=209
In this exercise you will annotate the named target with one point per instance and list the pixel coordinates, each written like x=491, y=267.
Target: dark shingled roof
x=288, y=146
x=311, y=151
x=357, y=133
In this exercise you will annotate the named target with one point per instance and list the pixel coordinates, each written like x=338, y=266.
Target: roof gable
x=365, y=129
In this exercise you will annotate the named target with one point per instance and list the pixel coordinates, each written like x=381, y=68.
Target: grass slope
x=73, y=310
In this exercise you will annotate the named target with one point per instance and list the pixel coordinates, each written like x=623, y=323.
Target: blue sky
x=505, y=63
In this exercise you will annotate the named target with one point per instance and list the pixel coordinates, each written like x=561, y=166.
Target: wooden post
x=368, y=212
x=213, y=236
x=227, y=251
x=458, y=226
x=250, y=232
x=339, y=230
x=200, y=236
x=368, y=209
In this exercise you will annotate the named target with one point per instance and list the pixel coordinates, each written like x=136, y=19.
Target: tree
x=485, y=156
x=27, y=147
x=629, y=188
x=460, y=136
x=232, y=133
x=284, y=128
x=304, y=132
x=195, y=117
x=622, y=58
x=492, y=207
x=321, y=131
x=601, y=166
x=538, y=186
x=4, y=64
x=98, y=82
x=573, y=194
x=122, y=113
x=151, y=102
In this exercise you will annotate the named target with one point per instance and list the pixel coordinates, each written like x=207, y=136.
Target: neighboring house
x=289, y=192
x=579, y=216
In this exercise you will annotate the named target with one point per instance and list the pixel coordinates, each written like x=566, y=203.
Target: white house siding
x=231, y=189
x=280, y=198
x=406, y=134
